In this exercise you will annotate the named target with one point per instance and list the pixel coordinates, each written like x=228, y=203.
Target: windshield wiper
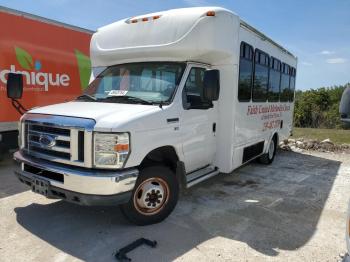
x=128, y=98
x=86, y=96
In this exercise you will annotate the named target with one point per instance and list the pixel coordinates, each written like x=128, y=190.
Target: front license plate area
x=40, y=186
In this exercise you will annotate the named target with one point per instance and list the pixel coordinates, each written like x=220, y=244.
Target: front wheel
x=154, y=197
x=268, y=157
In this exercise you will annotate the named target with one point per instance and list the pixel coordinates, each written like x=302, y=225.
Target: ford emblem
x=47, y=141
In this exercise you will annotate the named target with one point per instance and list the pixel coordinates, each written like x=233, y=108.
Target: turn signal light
x=210, y=13
x=121, y=147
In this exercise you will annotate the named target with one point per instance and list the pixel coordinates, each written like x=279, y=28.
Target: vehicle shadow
x=270, y=208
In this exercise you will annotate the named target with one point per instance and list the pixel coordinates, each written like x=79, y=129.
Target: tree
x=318, y=108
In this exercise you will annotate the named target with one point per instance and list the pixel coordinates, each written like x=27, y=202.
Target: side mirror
x=14, y=85
x=344, y=107
x=211, y=84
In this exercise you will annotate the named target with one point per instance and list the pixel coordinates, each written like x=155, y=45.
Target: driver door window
x=193, y=90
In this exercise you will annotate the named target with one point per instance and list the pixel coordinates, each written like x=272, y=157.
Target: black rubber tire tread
x=265, y=159
x=169, y=177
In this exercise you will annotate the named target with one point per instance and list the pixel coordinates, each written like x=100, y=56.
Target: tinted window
x=261, y=76
x=245, y=72
x=285, y=83
x=274, y=80
x=194, y=89
x=292, y=84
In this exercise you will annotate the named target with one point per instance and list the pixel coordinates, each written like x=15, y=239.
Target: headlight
x=111, y=150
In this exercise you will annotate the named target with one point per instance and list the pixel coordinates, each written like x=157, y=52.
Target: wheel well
x=275, y=136
x=165, y=155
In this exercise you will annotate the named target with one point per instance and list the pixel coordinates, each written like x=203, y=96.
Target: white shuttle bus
x=180, y=96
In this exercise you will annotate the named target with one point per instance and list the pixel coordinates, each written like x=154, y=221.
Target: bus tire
x=154, y=197
x=268, y=157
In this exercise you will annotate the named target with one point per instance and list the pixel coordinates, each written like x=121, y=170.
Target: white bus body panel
x=178, y=35
x=185, y=35
x=190, y=35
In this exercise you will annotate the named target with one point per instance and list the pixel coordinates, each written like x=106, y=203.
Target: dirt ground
x=292, y=210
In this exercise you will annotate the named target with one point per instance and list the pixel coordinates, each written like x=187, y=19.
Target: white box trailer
x=184, y=95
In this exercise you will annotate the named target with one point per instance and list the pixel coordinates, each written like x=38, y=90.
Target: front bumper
x=75, y=184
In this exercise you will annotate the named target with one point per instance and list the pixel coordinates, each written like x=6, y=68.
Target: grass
x=337, y=136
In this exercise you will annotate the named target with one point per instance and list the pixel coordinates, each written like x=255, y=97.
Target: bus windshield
x=148, y=82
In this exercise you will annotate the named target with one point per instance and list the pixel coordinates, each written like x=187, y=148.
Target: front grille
x=50, y=129
x=50, y=152
x=62, y=139
x=39, y=136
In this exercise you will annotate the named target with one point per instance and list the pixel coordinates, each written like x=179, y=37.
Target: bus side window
x=245, y=72
x=261, y=76
x=292, y=84
x=274, y=80
x=285, y=83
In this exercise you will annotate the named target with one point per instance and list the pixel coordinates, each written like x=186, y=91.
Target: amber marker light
x=121, y=147
x=210, y=13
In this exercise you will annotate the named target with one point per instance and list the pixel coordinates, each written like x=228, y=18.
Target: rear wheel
x=154, y=197
x=268, y=157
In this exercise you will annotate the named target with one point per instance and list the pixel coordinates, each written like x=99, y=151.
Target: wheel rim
x=271, y=149
x=151, y=196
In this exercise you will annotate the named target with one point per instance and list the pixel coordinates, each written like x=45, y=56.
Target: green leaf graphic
x=24, y=58
x=84, y=65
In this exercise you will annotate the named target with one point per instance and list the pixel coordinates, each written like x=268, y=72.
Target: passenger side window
x=274, y=80
x=285, y=83
x=261, y=76
x=193, y=90
x=245, y=72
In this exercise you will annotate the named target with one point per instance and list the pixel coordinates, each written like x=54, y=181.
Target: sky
x=316, y=31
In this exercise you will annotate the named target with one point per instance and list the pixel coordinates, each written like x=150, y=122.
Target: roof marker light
x=156, y=17
x=211, y=13
x=145, y=19
x=133, y=21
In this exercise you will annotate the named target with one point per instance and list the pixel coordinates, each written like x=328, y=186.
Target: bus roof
x=265, y=38
x=187, y=34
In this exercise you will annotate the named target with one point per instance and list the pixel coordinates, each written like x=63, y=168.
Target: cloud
x=327, y=52
x=196, y=2
x=338, y=60
x=306, y=63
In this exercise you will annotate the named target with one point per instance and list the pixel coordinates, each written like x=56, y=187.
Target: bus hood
x=108, y=116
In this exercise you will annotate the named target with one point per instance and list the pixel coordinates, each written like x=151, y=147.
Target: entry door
x=197, y=122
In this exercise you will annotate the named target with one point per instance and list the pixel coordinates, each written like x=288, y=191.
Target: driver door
x=197, y=122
